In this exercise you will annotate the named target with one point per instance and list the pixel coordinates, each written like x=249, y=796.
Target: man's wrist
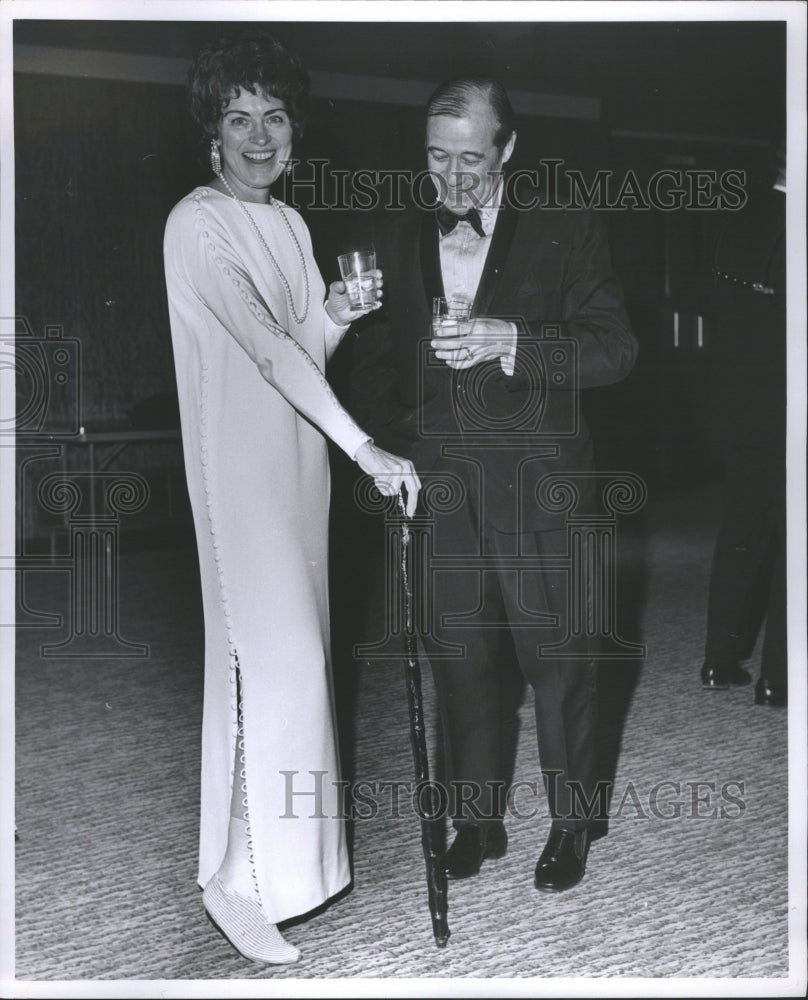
x=508, y=357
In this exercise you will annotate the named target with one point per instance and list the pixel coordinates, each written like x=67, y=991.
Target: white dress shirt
x=462, y=259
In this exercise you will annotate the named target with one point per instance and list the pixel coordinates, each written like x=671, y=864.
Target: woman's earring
x=215, y=157
x=288, y=167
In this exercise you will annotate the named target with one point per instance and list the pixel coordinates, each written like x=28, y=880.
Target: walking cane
x=427, y=797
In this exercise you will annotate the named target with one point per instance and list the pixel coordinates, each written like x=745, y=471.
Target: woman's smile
x=255, y=143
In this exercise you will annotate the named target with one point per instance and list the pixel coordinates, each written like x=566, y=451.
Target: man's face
x=462, y=155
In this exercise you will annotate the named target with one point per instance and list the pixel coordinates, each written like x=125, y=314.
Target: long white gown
x=254, y=405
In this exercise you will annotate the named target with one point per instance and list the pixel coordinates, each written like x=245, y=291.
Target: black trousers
x=748, y=576
x=470, y=608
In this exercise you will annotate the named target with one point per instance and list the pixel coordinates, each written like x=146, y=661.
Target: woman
x=252, y=331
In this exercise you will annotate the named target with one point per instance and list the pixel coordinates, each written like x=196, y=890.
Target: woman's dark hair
x=257, y=63
x=454, y=97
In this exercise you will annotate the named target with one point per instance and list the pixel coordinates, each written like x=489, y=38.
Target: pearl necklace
x=298, y=319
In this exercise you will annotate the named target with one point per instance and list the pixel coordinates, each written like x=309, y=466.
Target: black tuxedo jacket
x=549, y=272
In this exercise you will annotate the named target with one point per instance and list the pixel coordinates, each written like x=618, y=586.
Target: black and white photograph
x=403, y=498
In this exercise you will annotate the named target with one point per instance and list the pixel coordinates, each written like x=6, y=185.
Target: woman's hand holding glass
x=338, y=305
x=390, y=473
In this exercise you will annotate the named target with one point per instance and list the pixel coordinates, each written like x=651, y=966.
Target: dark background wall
x=99, y=162
x=99, y=165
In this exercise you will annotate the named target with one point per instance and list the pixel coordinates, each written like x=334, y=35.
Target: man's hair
x=454, y=97
x=246, y=62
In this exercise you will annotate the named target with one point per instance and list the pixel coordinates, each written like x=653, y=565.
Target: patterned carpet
x=690, y=883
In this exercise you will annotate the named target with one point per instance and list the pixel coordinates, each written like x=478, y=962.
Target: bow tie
x=448, y=220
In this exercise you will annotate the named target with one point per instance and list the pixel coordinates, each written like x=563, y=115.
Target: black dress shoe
x=563, y=861
x=720, y=676
x=473, y=845
x=767, y=693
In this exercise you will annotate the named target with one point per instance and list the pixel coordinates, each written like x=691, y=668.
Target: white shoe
x=243, y=923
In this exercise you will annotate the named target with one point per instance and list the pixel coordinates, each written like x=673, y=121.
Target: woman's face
x=255, y=143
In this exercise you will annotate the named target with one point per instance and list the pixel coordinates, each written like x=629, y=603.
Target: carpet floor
x=691, y=883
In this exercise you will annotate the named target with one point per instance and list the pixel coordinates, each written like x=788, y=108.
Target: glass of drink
x=451, y=317
x=356, y=270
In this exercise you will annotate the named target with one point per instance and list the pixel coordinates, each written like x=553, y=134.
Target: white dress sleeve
x=332, y=332
x=200, y=250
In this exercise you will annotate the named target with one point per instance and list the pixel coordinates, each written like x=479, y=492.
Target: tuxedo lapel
x=430, y=259
x=495, y=259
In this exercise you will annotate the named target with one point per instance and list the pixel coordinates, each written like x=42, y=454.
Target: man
x=748, y=577
x=480, y=413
